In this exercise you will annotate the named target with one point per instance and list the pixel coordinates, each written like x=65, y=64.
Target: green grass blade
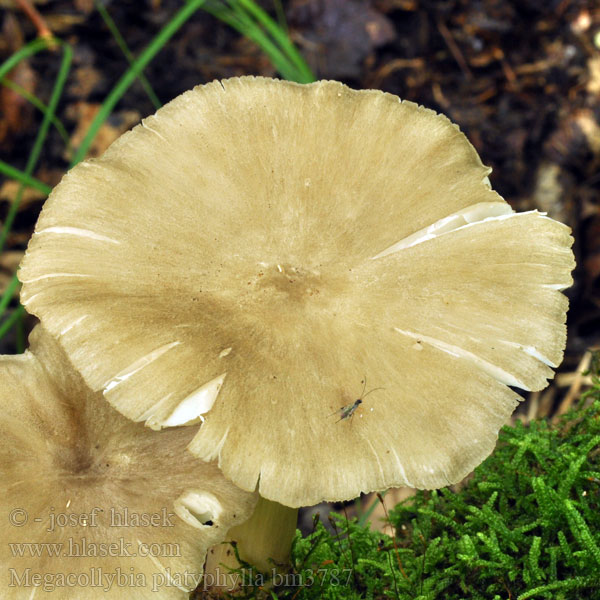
x=242, y=22
x=281, y=37
x=40, y=137
x=8, y=294
x=15, y=87
x=20, y=333
x=6, y=326
x=365, y=516
x=24, y=178
x=25, y=52
x=280, y=15
x=131, y=74
x=125, y=49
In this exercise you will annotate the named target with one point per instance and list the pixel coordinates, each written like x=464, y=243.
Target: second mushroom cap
x=93, y=505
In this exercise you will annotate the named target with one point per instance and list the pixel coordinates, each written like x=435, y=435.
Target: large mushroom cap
x=266, y=246
x=93, y=505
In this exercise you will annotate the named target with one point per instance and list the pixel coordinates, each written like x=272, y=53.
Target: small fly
x=347, y=412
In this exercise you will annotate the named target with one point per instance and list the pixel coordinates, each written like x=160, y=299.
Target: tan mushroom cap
x=280, y=243
x=93, y=505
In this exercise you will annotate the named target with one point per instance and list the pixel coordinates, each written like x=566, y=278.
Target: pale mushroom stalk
x=263, y=541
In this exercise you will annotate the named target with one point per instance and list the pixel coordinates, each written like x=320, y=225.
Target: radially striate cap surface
x=256, y=249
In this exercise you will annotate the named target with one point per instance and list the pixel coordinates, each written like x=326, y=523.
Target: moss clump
x=526, y=525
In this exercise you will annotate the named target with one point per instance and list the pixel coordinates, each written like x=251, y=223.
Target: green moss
x=526, y=525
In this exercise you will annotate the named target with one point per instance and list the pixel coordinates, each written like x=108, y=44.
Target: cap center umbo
x=296, y=283
x=81, y=460
x=76, y=460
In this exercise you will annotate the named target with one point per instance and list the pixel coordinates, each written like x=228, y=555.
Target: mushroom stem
x=263, y=541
